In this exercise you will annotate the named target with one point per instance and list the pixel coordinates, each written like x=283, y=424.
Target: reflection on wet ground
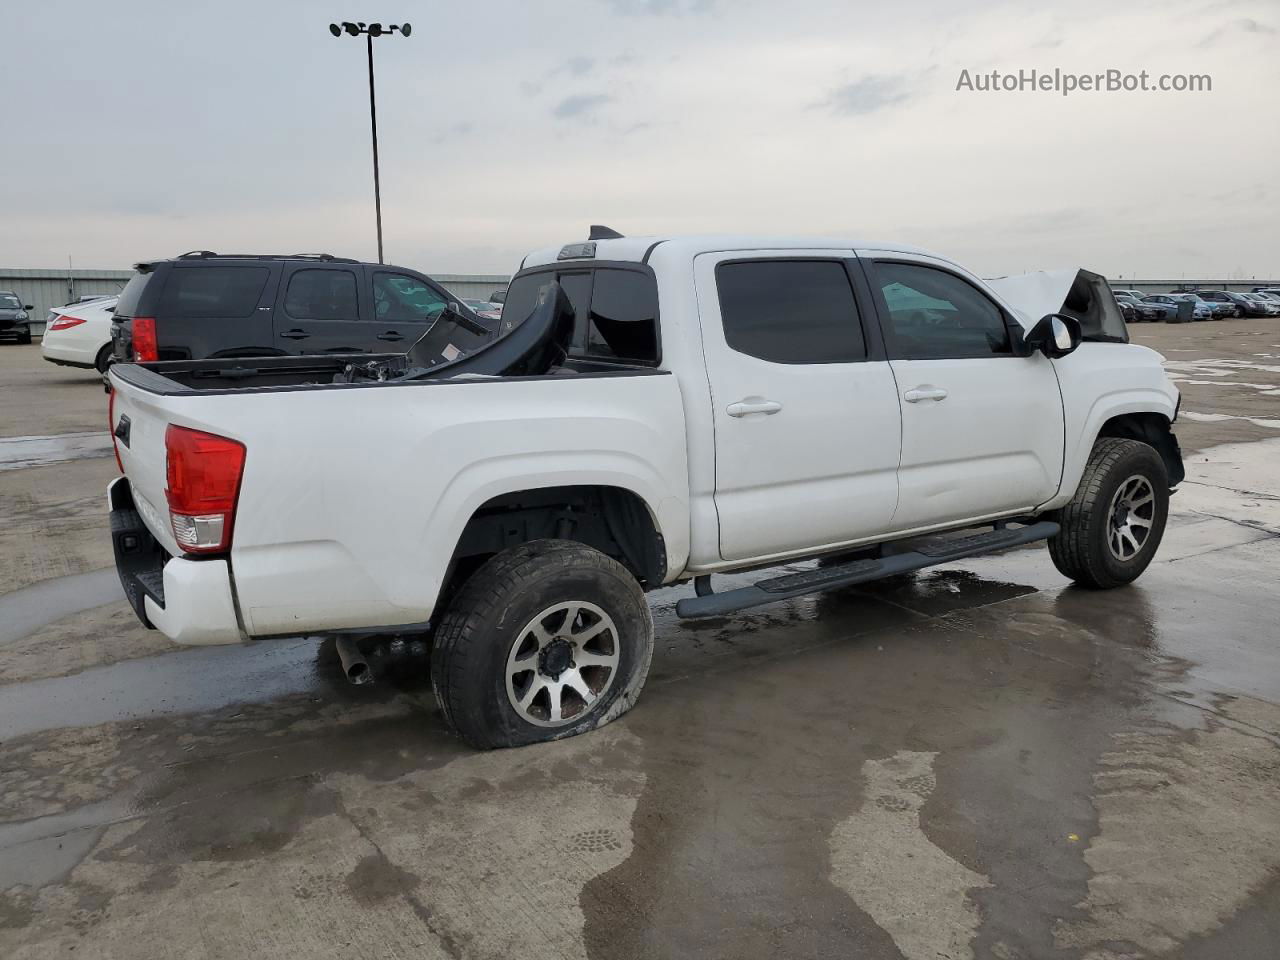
x=975, y=761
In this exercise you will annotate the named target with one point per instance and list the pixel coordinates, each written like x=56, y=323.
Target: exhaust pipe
x=354, y=665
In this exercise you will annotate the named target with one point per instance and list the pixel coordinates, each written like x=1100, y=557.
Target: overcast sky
x=140, y=129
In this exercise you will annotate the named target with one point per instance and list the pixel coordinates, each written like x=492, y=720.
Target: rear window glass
x=127, y=305
x=616, y=311
x=213, y=291
x=623, y=321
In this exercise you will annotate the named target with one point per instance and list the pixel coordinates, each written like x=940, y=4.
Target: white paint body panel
x=354, y=497
x=992, y=445
x=80, y=344
x=822, y=469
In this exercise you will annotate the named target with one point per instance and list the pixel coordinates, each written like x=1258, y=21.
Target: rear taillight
x=203, y=472
x=145, y=349
x=111, y=426
x=65, y=323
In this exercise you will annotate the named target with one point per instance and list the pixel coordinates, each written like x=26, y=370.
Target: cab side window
x=401, y=299
x=790, y=311
x=936, y=315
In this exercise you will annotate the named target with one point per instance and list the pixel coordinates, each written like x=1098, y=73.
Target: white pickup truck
x=654, y=410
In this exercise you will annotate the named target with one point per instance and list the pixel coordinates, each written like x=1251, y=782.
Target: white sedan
x=79, y=334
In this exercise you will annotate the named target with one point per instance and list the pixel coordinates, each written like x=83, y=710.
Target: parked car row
x=1205, y=304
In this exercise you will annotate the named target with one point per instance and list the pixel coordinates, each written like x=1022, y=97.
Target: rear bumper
x=67, y=354
x=189, y=601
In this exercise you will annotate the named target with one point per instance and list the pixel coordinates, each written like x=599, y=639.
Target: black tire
x=492, y=614
x=25, y=336
x=1082, y=550
x=103, y=359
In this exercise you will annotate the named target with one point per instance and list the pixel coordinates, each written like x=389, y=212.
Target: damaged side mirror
x=1055, y=335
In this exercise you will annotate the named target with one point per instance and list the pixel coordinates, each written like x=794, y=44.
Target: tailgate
x=139, y=419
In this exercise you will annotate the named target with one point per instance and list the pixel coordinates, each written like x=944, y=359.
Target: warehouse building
x=46, y=289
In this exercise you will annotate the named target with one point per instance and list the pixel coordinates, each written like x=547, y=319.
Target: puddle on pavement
x=19, y=452
x=24, y=611
x=185, y=681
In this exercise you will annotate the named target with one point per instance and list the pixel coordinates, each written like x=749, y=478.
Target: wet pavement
x=978, y=761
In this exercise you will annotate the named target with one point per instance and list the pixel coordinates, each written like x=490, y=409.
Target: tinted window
x=934, y=315
x=790, y=311
x=398, y=298
x=127, y=305
x=616, y=311
x=212, y=291
x=522, y=297
x=623, y=320
x=577, y=287
x=322, y=295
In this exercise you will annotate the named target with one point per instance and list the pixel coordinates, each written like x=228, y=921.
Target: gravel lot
x=976, y=762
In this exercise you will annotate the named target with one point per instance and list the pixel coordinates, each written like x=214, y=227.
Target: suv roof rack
x=209, y=255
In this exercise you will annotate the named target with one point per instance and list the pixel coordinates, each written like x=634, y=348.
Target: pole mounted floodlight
x=371, y=30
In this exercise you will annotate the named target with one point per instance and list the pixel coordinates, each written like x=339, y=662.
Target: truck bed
x=353, y=495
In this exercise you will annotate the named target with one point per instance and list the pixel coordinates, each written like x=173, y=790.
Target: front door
x=805, y=412
x=404, y=308
x=982, y=428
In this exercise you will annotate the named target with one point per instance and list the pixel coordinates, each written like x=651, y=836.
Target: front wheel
x=1113, y=525
x=548, y=639
x=24, y=335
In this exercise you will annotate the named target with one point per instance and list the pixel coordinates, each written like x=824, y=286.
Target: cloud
x=1243, y=25
x=867, y=95
x=580, y=106
x=659, y=8
x=577, y=66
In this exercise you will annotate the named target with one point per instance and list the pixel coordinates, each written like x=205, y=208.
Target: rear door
x=982, y=428
x=210, y=309
x=319, y=310
x=805, y=413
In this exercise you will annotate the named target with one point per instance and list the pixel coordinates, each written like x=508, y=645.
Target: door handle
x=916, y=394
x=390, y=335
x=750, y=405
x=295, y=334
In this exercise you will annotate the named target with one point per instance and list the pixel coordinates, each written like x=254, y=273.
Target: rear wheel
x=546, y=640
x=103, y=359
x=1113, y=525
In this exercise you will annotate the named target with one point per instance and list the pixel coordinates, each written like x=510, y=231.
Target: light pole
x=371, y=30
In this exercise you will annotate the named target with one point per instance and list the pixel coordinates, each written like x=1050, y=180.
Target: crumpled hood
x=1033, y=295
x=1074, y=292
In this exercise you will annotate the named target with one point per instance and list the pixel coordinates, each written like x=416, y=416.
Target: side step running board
x=926, y=554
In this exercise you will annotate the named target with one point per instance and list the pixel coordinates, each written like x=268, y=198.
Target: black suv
x=206, y=305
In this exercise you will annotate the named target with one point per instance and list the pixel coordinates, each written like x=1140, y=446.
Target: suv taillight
x=145, y=349
x=203, y=474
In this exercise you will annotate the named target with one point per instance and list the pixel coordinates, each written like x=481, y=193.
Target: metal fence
x=46, y=289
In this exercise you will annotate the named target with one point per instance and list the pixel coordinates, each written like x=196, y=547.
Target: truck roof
x=640, y=249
